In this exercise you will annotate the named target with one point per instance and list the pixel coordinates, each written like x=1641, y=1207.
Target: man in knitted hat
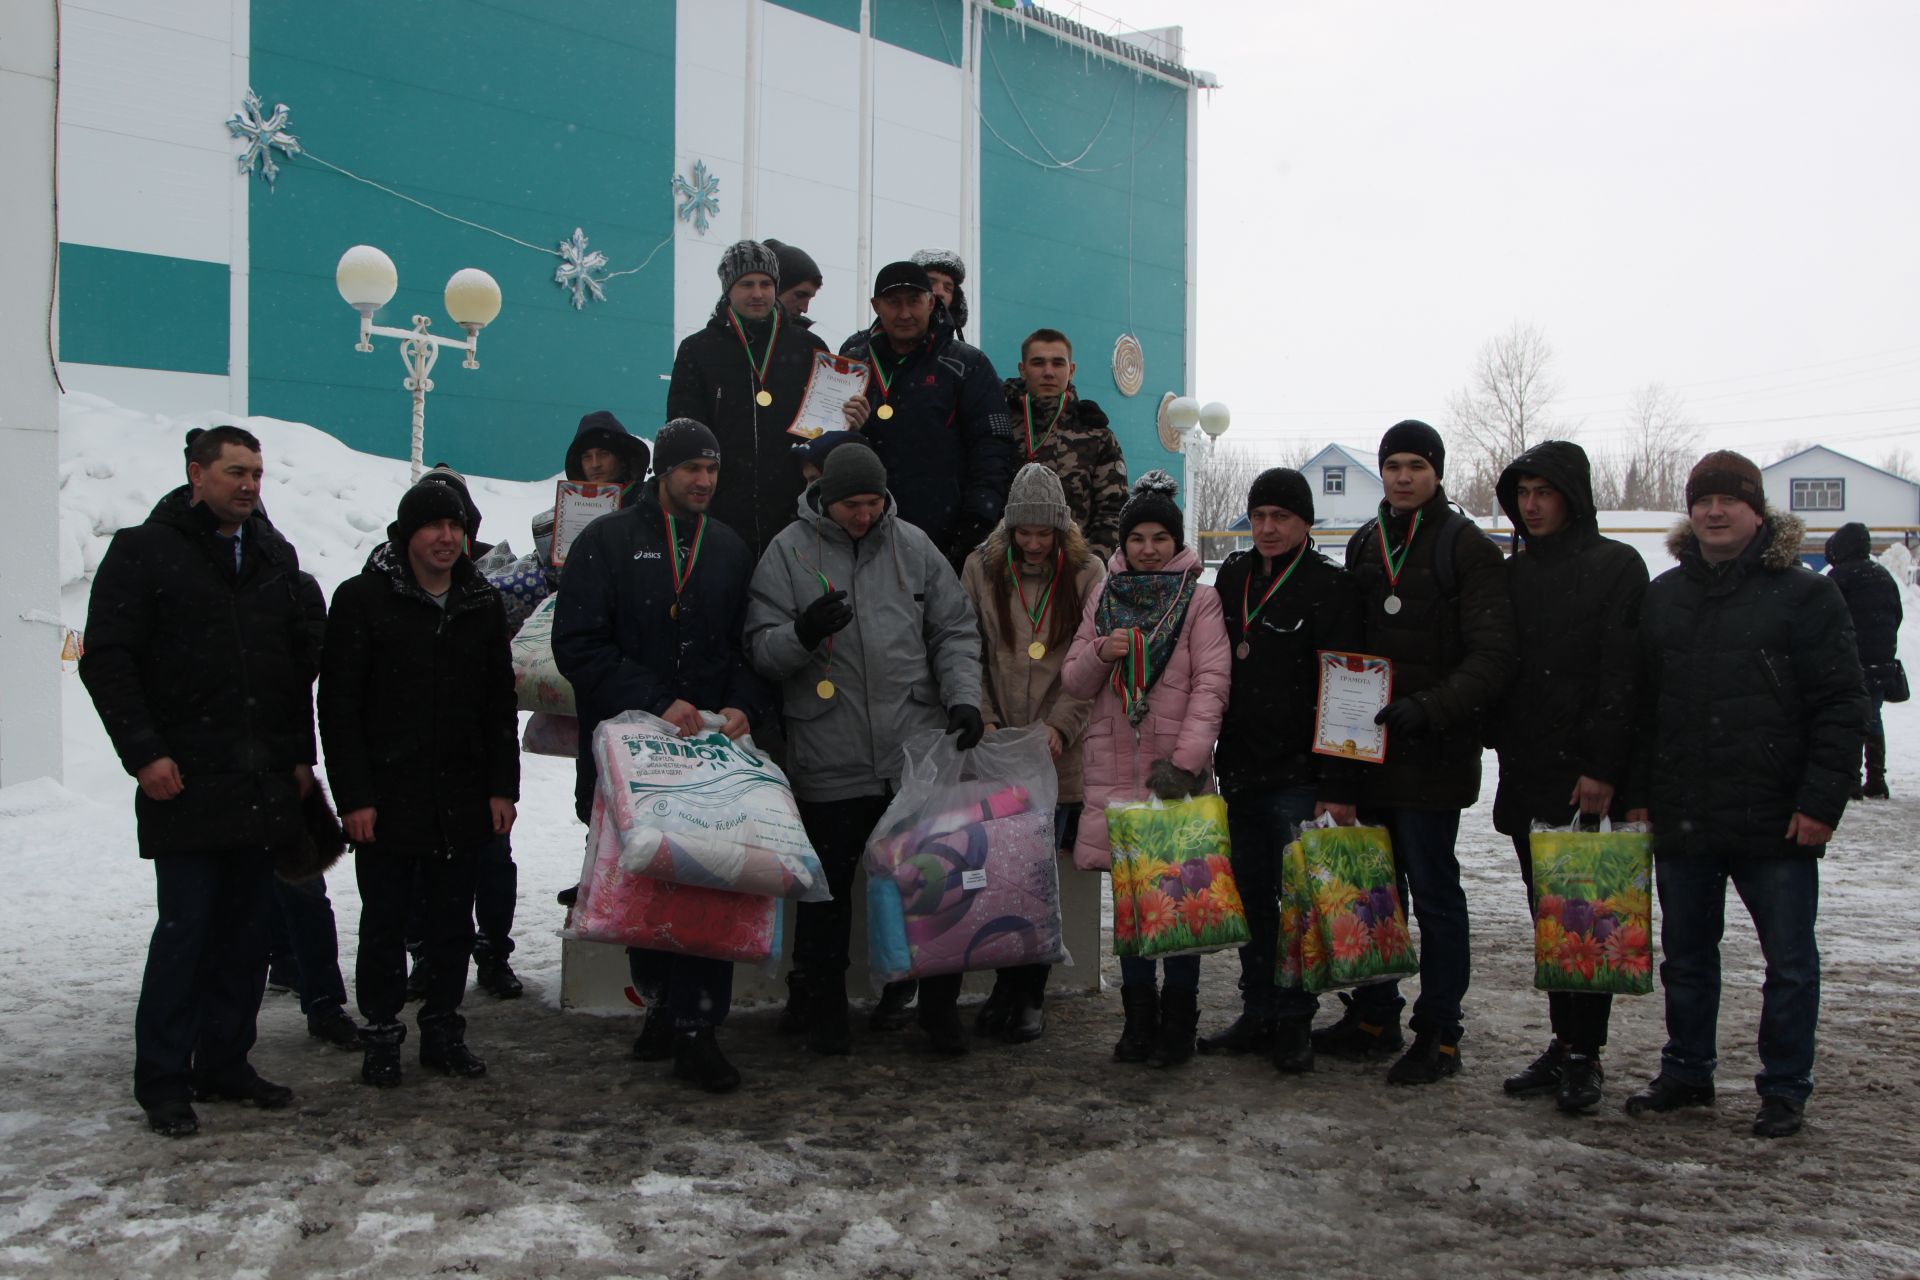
x=652, y=603
x=1752, y=709
x=421, y=729
x=946, y=276
x=854, y=695
x=800, y=280
x=1284, y=602
x=1434, y=594
x=1052, y=425
x=940, y=418
x=744, y=375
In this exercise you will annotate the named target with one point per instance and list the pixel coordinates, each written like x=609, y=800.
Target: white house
x=1346, y=487
x=1827, y=489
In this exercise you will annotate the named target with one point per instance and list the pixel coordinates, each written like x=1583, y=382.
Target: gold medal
x=1036, y=651
x=673, y=610
x=824, y=688
x=884, y=412
x=763, y=399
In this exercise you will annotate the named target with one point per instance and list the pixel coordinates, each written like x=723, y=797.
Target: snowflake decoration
x=701, y=196
x=263, y=133
x=581, y=270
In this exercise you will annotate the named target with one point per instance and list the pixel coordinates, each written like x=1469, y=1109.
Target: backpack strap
x=1450, y=530
x=1357, y=544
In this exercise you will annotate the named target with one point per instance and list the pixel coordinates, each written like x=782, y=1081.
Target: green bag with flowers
x=1173, y=889
x=1593, y=910
x=1342, y=923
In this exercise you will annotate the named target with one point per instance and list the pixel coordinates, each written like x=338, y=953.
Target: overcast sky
x=1723, y=197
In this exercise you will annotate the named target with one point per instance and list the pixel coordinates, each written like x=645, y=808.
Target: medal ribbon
x=773, y=335
x=1037, y=613
x=826, y=588
x=1395, y=563
x=680, y=577
x=1132, y=676
x=880, y=372
x=1246, y=618
x=1027, y=403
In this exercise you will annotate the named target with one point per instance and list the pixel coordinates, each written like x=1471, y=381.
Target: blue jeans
x=1782, y=895
x=696, y=992
x=1423, y=854
x=1183, y=972
x=1262, y=824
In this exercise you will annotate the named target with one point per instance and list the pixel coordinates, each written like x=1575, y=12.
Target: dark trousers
x=1782, y=895
x=496, y=891
x=390, y=885
x=206, y=970
x=1262, y=824
x=305, y=946
x=838, y=830
x=1183, y=972
x=1578, y=1018
x=695, y=992
x=1429, y=872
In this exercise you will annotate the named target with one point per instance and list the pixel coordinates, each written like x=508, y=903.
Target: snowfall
x=569, y=1159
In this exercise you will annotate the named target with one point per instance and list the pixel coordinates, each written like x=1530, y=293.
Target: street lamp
x=367, y=280
x=1184, y=413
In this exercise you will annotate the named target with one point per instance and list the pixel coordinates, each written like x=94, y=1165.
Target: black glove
x=966, y=722
x=1169, y=781
x=1403, y=716
x=822, y=618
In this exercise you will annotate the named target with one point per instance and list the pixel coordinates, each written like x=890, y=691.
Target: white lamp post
x=367, y=280
x=1185, y=413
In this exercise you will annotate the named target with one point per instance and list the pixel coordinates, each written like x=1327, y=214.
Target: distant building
x=1827, y=489
x=1346, y=488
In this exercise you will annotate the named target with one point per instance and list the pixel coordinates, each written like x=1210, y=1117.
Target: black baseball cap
x=901, y=275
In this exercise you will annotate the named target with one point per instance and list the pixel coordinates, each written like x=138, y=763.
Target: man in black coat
x=1750, y=711
x=200, y=659
x=1873, y=598
x=420, y=724
x=1435, y=597
x=1284, y=603
x=653, y=604
x=940, y=420
x=1566, y=729
x=743, y=376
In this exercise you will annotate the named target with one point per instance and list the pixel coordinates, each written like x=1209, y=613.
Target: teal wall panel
x=1085, y=232
x=841, y=13
x=143, y=310
x=523, y=116
x=931, y=28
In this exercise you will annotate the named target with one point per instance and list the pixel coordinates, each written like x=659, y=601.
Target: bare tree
x=1504, y=410
x=1790, y=448
x=1901, y=462
x=1659, y=449
x=1217, y=483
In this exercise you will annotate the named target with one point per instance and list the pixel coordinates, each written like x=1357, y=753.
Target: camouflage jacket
x=1084, y=453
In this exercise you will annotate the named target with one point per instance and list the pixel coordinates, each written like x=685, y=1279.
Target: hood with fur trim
x=1783, y=535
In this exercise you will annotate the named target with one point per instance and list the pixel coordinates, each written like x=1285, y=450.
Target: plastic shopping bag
x=548, y=734
x=1173, y=889
x=703, y=811
x=1342, y=923
x=1593, y=910
x=536, y=677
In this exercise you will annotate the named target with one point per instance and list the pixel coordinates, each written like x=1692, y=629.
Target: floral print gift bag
x=1342, y=923
x=1173, y=890
x=1593, y=910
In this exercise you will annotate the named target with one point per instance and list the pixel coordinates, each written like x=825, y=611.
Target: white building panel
x=1827, y=489
x=122, y=192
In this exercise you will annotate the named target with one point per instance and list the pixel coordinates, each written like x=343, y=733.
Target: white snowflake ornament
x=700, y=198
x=263, y=133
x=580, y=270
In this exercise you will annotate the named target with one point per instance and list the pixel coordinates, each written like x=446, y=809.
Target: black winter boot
x=1876, y=788
x=1539, y=1077
x=1293, y=1046
x=1142, y=1006
x=497, y=978
x=173, y=1119
x=827, y=1030
x=1779, y=1117
x=1027, y=1021
x=1357, y=1037
x=380, y=1060
x=443, y=1048
x=416, y=977
x=245, y=1085
x=892, y=1010
x=1664, y=1093
x=1249, y=1033
x=1179, y=1016
x=946, y=1035
x=793, y=1018
x=697, y=1059
x=655, y=1041
x=1434, y=1056
x=336, y=1027
x=991, y=1021
x=1581, y=1080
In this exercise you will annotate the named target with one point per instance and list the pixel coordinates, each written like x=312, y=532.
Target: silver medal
x=1242, y=649
x=1391, y=604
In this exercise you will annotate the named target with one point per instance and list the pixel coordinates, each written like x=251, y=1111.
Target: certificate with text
x=1353, y=689
x=577, y=504
x=834, y=381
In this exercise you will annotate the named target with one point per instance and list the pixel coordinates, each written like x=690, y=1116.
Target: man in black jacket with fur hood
x=1750, y=714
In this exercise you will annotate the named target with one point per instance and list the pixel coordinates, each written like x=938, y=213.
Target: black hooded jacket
x=714, y=383
x=1751, y=707
x=604, y=431
x=1872, y=596
x=949, y=445
x=189, y=658
x=1576, y=608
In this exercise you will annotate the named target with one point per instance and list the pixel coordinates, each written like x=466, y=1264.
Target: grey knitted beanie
x=1036, y=498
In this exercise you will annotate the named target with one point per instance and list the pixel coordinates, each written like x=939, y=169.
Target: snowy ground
x=570, y=1160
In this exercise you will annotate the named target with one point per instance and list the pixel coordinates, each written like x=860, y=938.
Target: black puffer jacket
x=1749, y=695
x=1454, y=652
x=1576, y=608
x=1873, y=598
x=616, y=643
x=417, y=709
x=949, y=445
x=188, y=659
x=1266, y=736
x=714, y=383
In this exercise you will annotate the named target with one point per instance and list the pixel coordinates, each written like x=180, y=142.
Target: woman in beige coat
x=1029, y=582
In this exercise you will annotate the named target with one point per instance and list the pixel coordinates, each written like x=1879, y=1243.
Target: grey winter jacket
x=911, y=651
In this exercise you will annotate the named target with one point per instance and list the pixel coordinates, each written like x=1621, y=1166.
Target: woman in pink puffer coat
x=1156, y=741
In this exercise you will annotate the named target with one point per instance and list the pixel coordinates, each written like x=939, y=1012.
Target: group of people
x=840, y=596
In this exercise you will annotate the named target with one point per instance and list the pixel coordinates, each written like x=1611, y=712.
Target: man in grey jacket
x=861, y=621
